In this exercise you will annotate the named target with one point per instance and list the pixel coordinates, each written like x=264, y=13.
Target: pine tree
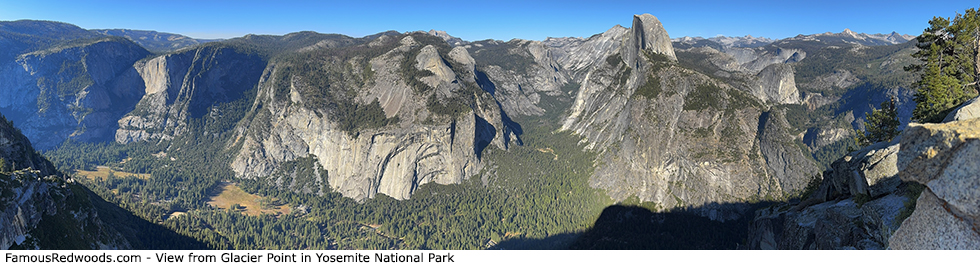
x=949, y=51
x=881, y=125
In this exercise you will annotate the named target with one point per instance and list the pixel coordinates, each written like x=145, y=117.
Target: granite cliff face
x=776, y=84
x=677, y=152
x=786, y=162
x=418, y=145
x=674, y=136
x=185, y=85
x=647, y=33
x=75, y=91
x=522, y=75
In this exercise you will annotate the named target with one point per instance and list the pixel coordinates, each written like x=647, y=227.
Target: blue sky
x=478, y=20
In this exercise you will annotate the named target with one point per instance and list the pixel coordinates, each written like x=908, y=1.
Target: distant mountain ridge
x=50, y=32
x=746, y=41
x=873, y=39
x=154, y=41
x=846, y=36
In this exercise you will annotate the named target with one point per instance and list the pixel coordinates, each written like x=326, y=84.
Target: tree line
x=949, y=66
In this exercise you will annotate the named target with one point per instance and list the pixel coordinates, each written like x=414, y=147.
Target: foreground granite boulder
x=946, y=158
x=969, y=110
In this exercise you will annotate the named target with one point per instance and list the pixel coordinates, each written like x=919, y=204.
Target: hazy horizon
x=476, y=21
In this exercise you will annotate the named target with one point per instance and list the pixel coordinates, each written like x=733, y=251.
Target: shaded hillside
x=67, y=88
x=633, y=227
x=44, y=209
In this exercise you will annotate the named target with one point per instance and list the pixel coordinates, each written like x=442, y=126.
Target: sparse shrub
x=651, y=89
x=703, y=97
x=912, y=192
x=861, y=199
x=614, y=59
x=509, y=56
x=702, y=132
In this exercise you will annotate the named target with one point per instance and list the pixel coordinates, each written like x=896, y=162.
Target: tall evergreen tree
x=949, y=51
x=881, y=126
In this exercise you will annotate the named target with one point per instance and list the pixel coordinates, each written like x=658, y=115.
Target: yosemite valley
x=421, y=140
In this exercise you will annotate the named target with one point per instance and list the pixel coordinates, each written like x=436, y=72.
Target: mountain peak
x=848, y=33
x=851, y=37
x=649, y=33
x=454, y=41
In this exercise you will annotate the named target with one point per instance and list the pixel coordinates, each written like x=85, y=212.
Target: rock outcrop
x=871, y=171
x=786, y=162
x=843, y=224
x=857, y=205
x=647, y=33
x=969, y=110
x=33, y=191
x=866, y=200
x=776, y=84
x=943, y=157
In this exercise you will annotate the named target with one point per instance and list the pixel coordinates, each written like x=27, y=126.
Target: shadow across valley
x=140, y=234
x=635, y=227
